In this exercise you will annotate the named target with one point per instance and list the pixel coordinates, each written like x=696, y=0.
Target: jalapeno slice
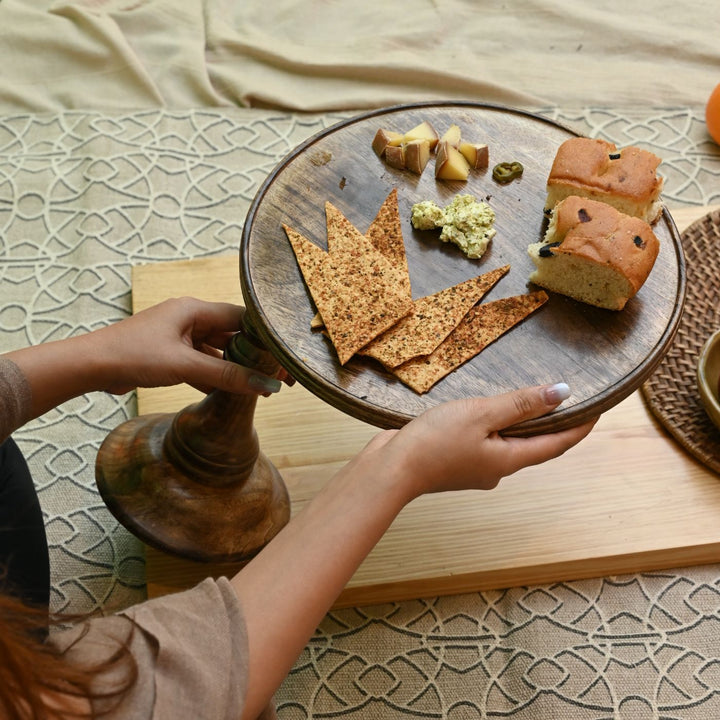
x=504, y=172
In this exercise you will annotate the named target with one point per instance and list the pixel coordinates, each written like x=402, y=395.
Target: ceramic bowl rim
x=708, y=387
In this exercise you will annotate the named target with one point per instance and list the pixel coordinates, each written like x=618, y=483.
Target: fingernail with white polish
x=264, y=384
x=556, y=393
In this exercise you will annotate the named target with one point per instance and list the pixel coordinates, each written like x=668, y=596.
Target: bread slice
x=627, y=179
x=594, y=253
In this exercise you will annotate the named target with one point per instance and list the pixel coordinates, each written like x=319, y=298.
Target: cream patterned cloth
x=86, y=195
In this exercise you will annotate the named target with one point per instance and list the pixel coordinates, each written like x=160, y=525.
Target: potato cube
x=450, y=164
x=476, y=154
x=453, y=135
x=417, y=155
x=383, y=138
x=395, y=156
x=423, y=131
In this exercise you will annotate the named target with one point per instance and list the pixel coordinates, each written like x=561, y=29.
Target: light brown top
x=190, y=649
x=15, y=398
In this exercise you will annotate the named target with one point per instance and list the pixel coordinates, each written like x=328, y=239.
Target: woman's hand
x=179, y=340
x=176, y=341
x=459, y=445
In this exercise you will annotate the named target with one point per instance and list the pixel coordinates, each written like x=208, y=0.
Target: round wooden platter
x=603, y=355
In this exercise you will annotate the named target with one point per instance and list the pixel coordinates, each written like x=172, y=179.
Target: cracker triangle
x=352, y=287
x=308, y=255
x=430, y=321
x=355, y=303
x=341, y=233
x=482, y=325
x=385, y=233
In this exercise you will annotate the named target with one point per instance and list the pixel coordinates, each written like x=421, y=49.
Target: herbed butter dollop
x=466, y=222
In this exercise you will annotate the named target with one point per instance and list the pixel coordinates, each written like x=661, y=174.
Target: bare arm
x=286, y=590
x=177, y=341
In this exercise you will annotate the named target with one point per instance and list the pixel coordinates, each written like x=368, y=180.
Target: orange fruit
x=712, y=114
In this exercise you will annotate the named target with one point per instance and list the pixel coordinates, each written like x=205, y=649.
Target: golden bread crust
x=599, y=233
x=595, y=168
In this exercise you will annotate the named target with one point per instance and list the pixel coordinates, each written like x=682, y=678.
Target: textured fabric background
x=136, y=131
x=320, y=55
x=85, y=195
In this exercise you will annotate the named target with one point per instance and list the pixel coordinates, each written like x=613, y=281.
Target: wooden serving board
x=607, y=354
x=627, y=499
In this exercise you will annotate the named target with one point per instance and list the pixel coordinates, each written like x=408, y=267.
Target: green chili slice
x=506, y=171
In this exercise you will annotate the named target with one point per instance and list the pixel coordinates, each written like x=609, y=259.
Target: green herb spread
x=465, y=222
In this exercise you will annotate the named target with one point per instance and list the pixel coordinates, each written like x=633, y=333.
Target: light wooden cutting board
x=627, y=499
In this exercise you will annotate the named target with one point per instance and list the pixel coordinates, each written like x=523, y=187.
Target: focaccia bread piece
x=627, y=179
x=594, y=253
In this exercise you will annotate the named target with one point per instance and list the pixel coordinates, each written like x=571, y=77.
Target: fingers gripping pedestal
x=195, y=484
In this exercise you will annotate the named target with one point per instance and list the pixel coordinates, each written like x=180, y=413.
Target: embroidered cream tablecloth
x=85, y=195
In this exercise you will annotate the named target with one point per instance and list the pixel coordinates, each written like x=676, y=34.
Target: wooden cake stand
x=170, y=480
x=606, y=355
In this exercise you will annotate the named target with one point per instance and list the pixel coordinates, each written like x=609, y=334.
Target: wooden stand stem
x=195, y=484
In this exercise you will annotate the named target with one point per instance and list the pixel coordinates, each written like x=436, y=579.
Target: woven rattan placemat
x=671, y=392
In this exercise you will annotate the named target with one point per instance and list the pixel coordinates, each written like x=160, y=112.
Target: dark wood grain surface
x=603, y=355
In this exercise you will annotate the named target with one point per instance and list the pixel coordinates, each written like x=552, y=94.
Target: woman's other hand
x=459, y=445
x=176, y=341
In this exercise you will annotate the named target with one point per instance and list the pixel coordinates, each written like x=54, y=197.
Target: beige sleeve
x=190, y=649
x=15, y=398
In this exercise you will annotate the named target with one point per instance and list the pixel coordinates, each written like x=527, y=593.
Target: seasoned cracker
x=482, y=325
x=431, y=320
x=341, y=233
x=355, y=297
x=309, y=257
x=385, y=233
x=353, y=288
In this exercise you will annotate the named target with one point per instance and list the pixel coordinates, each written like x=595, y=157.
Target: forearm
x=60, y=370
x=287, y=589
x=458, y=445
x=177, y=341
x=14, y=398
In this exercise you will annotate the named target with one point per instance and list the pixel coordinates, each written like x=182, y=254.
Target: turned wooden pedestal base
x=195, y=483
